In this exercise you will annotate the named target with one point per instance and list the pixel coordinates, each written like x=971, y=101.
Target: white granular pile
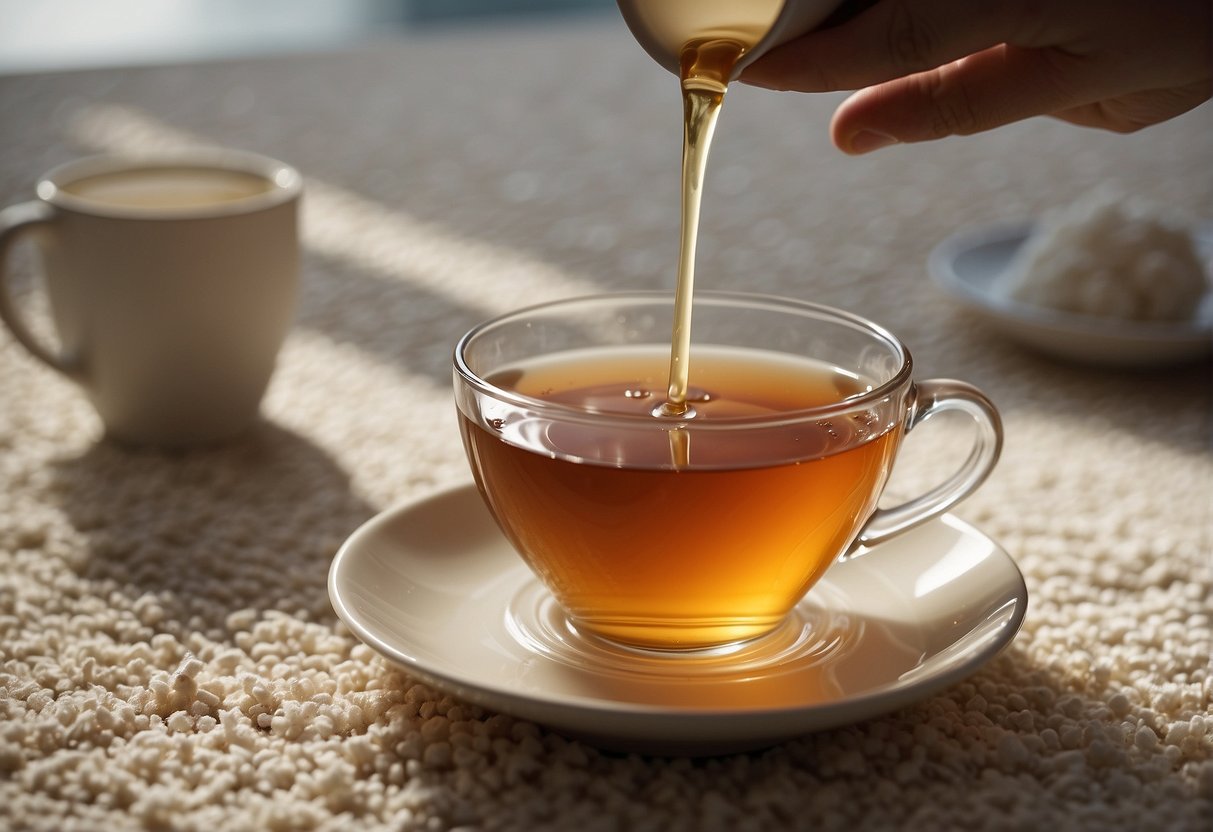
x=1110, y=255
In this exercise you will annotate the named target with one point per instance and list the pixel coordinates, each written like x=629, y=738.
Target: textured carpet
x=168, y=656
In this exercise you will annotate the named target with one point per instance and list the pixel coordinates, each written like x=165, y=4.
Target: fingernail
x=865, y=141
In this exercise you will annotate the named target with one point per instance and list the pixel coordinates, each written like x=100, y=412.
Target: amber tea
x=714, y=548
x=704, y=529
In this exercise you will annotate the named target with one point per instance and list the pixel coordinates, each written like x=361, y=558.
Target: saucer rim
x=762, y=724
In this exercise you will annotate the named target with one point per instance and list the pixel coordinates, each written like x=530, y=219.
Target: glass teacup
x=705, y=529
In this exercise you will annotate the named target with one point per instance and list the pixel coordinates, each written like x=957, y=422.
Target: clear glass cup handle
x=927, y=399
x=15, y=221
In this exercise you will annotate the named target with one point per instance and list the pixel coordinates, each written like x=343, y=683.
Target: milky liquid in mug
x=168, y=187
x=645, y=549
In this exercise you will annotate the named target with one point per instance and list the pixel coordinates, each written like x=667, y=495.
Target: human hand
x=926, y=69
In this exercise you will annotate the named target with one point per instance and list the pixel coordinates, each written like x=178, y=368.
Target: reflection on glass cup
x=172, y=284
x=702, y=530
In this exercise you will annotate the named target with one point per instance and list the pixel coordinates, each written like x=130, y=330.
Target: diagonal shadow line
x=344, y=226
x=401, y=324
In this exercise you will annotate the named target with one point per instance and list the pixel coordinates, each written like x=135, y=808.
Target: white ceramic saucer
x=967, y=264
x=434, y=587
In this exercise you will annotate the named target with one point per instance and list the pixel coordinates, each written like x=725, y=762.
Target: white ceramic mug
x=172, y=284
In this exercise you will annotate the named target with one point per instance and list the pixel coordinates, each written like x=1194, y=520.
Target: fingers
x=994, y=87
x=937, y=68
x=889, y=40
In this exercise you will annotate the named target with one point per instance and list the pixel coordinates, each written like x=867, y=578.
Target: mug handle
x=15, y=221
x=927, y=399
